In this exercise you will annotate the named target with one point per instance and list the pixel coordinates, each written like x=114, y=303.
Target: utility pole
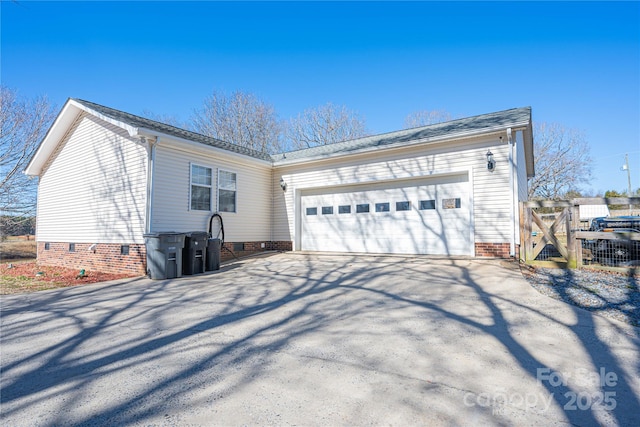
x=626, y=167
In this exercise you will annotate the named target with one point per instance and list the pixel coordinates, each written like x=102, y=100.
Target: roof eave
x=131, y=130
x=58, y=129
x=199, y=146
x=399, y=145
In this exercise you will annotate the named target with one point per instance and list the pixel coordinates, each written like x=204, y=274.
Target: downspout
x=512, y=182
x=151, y=158
x=273, y=202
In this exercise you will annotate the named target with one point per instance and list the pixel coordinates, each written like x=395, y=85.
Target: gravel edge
x=612, y=295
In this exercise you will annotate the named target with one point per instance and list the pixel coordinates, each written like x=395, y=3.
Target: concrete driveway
x=308, y=339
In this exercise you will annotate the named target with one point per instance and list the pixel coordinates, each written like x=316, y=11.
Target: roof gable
x=134, y=125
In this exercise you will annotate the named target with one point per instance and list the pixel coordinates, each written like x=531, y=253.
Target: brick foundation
x=493, y=250
x=104, y=257
x=280, y=246
x=242, y=249
x=107, y=257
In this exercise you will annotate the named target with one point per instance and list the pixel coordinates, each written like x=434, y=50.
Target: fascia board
x=132, y=130
x=403, y=145
x=56, y=132
x=59, y=129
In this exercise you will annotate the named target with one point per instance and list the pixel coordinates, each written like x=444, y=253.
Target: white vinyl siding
x=493, y=200
x=170, y=206
x=93, y=188
x=490, y=193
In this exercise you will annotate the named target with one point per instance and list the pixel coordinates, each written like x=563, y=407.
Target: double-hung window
x=227, y=189
x=200, y=188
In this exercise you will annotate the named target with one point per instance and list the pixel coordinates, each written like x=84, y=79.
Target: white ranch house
x=107, y=177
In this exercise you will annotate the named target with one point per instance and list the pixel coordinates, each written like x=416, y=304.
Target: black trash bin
x=194, y=253
x=213, y=254
x=164, y=254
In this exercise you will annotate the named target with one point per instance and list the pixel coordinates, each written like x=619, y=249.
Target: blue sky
x=575, y=63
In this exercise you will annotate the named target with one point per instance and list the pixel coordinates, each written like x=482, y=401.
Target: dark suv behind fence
x=615, y=251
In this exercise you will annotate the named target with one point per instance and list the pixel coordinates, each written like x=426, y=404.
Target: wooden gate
x=564, y=235
x=558, y=234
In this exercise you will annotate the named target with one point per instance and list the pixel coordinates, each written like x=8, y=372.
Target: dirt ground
x=19, y=272
x=27, y=276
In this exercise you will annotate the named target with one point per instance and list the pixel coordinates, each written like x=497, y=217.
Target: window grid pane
x=427, y=204
x=382, y=207
x=200, y=175
x=200, y=198
x=327, y=210
x=403, y=206
x=364, y=208
x=345, y=209
x=451, y=203
x=227, y=200
x=227, y=181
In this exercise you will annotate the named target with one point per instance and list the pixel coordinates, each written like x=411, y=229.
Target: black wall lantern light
x=283, y=184
x=491, y=163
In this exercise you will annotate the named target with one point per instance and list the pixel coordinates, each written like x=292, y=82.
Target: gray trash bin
x=164, y=254
x=213, y=254
x=194, y=252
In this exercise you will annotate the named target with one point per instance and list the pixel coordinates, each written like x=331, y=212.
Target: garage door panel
x=443, y=227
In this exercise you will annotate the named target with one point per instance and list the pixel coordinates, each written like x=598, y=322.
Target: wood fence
x=564, y=235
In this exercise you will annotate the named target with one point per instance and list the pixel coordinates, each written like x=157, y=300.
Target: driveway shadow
x=316, y=339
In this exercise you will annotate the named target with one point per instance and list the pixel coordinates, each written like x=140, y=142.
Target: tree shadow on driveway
x=314, y=339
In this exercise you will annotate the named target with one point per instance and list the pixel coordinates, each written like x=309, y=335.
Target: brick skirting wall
x=493, y=250
x=107, y=257
x=242, y=249
x=104, y=257
x=284, y=246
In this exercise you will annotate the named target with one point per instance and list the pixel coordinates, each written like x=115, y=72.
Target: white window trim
x=218, y=189
x=191, y=184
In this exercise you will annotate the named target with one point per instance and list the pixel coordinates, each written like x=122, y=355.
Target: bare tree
x=562, y=161
x=23, y=123
x=240, y=118
x=424, y=118
x=168, y=119
x=326, y=124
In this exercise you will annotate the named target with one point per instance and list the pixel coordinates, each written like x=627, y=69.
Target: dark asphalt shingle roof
x=469, y=125
x=497, y=120
x=152, y=125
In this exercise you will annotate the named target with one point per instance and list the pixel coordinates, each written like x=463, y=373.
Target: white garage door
x=417, y=217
